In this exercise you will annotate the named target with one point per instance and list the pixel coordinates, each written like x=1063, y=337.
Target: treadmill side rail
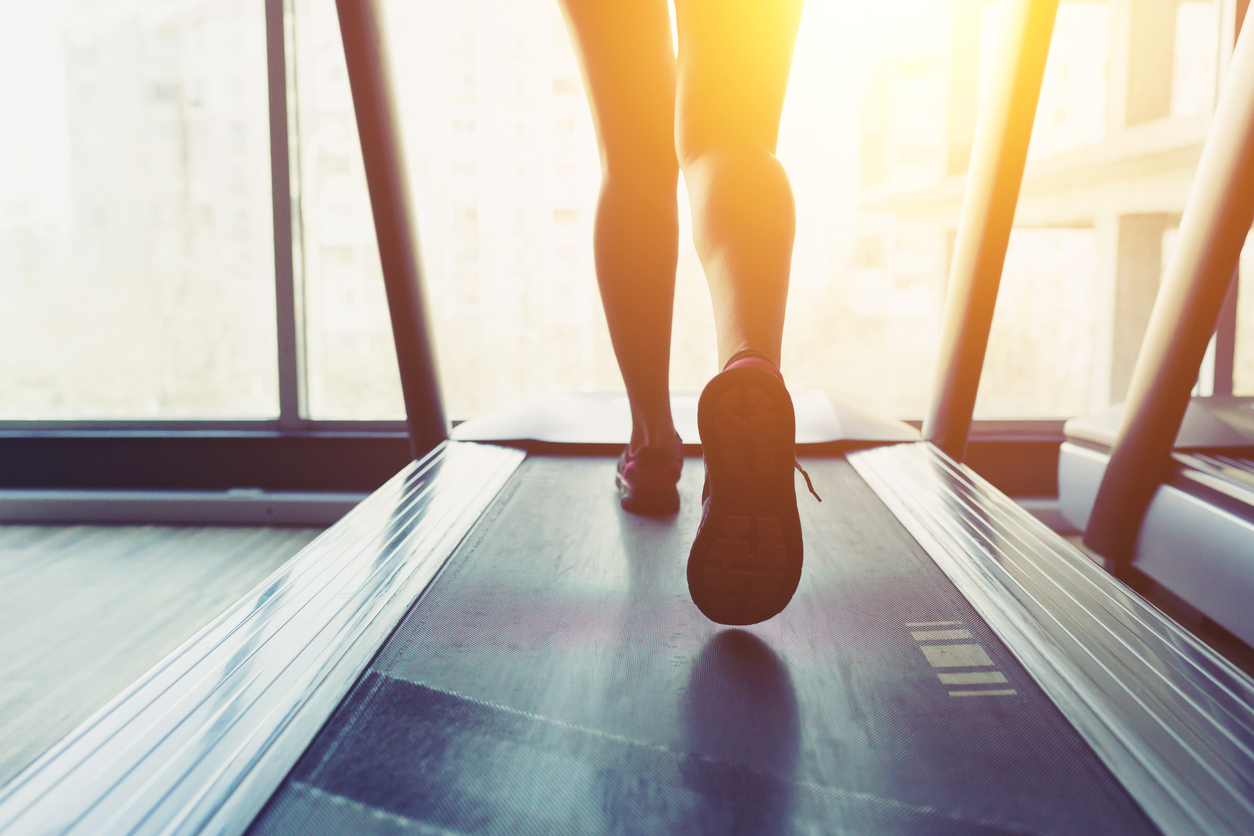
x=1173, y=721
x=200, y=742
x=1197, y=536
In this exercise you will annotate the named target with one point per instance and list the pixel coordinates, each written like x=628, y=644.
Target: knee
x=640, y=183
x=703, y=140
x=697, y=160
x=640, y=171
x=748, y=167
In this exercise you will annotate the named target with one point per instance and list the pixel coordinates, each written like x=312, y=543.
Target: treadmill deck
x=557, y=678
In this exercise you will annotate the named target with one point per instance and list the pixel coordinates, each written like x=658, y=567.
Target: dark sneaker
x=745, y=563
x=647, y=478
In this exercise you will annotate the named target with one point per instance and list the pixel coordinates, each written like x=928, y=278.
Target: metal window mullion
x=1226, y=331
x=1226, y=340
x=287, y=298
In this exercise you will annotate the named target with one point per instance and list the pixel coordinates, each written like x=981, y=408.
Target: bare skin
x=713, y=114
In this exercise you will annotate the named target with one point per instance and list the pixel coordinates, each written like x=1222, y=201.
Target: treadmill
x=488, y=644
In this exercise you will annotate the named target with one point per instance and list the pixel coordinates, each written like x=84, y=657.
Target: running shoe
x=745, y=563
x=647, y=479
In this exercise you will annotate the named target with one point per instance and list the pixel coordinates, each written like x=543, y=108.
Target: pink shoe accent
x=750, y=359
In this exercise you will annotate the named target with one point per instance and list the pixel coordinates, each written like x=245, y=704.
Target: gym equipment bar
x=998, y=155
x=1216, y=219
x=378, y=124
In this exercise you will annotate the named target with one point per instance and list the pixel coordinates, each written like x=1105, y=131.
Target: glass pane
x=1193, y=80
x=1041, y=346
x=505, y=175
x=1115, y=143
x=876, y=136
x=350, y=359
x=136, y=240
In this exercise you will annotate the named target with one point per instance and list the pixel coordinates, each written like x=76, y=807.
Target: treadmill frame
x=1170, y=718
x=201, y=741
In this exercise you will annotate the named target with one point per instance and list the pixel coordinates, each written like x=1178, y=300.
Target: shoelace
x=809, y=484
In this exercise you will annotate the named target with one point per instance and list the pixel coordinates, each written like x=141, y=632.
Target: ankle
x=661, y=438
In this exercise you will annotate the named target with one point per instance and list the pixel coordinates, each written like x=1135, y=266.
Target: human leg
x=734, y=58
x=628, y=66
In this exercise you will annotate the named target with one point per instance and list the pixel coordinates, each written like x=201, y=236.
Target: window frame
x=289, y=305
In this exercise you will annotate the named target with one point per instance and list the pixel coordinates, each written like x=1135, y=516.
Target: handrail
x=378, y=125
x=1216, y=219
x=998, y=155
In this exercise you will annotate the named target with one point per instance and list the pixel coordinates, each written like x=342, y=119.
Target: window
x=136, y=232
x=136, y=241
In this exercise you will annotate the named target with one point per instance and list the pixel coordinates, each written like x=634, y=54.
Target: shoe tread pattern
x=741, y=570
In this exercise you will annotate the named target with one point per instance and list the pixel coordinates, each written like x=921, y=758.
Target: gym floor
x=86, y=610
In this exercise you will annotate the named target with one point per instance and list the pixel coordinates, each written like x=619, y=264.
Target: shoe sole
x=745, y=562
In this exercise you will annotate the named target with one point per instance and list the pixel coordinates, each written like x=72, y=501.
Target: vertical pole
x=1217, y=216
x=1226, y=339
x=286, y=307
x=378, y=124
x=1233, y=15
x=998, y=155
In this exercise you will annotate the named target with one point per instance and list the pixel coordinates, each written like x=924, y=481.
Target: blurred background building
x=1124, y=109
x=136, y=246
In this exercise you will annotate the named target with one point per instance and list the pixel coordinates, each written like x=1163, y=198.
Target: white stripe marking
x=1001, y=693
x=956, y=656
x=939, y=635
x=972, y=678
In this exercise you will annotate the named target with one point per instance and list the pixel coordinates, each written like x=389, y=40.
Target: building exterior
x=1124, y=109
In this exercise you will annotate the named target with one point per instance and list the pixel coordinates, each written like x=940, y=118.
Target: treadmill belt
x=556, y=678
